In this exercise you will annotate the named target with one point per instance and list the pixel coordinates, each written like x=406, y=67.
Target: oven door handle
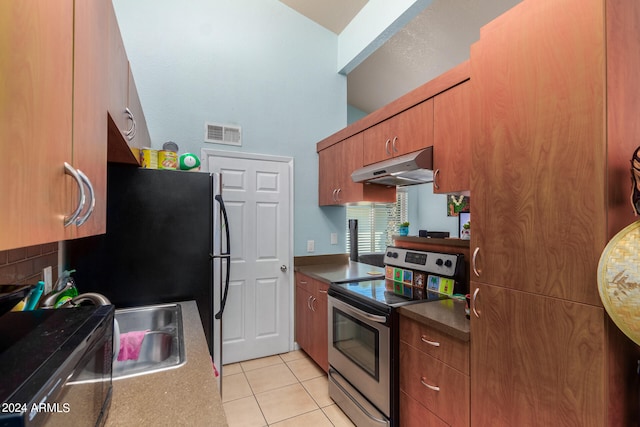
x=368, y=316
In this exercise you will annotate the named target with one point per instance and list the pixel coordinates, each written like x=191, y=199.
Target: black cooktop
x=378, y=293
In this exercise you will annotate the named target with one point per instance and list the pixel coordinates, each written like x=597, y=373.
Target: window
x=378, y=222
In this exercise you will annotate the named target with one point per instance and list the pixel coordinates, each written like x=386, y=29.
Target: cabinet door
x=377, y=143
x=406, y=132
x=328, y=170
x=535, y=360
x=118, y=75
x=452, y=139
x=90, y=108
x=35, y=123
x=140, y=136
x=320, y=328
x=303, y=298
x=539, y=151
x=349, y=159
x=412, y=130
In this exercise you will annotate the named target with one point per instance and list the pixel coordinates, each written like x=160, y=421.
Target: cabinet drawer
x=437, y=344
x=438, y=387
x=413, y=414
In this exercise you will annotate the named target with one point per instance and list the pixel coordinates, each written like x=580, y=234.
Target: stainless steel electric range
x=363, y=330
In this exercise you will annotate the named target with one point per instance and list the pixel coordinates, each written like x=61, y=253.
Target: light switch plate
x=334, y=238
x=311, y=245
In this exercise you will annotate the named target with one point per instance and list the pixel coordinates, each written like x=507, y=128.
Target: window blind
x=377, y=222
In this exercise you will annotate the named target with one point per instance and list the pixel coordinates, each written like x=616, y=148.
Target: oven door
x=359, y=350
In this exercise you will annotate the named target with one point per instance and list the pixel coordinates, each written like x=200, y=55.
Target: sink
x=163, y=345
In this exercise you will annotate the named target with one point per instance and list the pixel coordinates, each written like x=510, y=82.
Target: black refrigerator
x=167, y=240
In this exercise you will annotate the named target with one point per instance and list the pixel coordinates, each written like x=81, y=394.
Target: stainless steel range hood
x=410, y=169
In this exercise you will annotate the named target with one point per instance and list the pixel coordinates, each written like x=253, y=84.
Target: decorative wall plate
x=619, y=280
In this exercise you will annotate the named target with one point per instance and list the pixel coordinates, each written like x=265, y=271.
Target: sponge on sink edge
x=130, y=345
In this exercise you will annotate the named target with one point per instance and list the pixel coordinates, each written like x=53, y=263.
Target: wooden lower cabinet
x=413, y=414
x=434, y=377
x=311, y=318
x=536, y=360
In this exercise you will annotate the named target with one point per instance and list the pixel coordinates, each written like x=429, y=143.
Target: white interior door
x=257, y=319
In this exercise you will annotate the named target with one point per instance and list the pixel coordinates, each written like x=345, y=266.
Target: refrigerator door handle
x=226, y=255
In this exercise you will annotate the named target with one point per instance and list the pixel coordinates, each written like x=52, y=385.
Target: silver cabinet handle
x=69, y=170
x=386, y=147
x=313, y=300
x=92, y=199
x=427, y=385
x=131, y=132
x=322, y=291
x=473, y=262
x=424, y=339
x=309, y=302
x=393, y=144
x=302, y=282
x=435, y=179
x=473, y=302
x=338, y=194
x=334, y=195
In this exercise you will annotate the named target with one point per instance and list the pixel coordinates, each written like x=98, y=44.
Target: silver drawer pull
x=429, y=386
x=433, y=343
x=321, y=291
x=302, y=282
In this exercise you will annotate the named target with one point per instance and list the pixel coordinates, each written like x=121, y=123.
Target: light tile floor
x=283, y=390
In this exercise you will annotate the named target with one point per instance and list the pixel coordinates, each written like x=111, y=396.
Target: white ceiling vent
x=222, y=134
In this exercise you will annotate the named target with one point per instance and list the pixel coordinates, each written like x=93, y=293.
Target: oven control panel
x=430, y=262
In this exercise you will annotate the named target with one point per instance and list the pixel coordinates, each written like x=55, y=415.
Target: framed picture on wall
x=463, y=218
x=457, y=203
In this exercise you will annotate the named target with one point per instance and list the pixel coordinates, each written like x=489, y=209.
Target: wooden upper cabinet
x=140, y=137
x=90, y=109
x=127, y=126
x=336, y=164
x=452, y=139
x=406, y=132
x=118, y=74
x=36, y=73
x=539, y=154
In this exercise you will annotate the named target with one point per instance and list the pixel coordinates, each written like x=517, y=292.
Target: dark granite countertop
x=447, y=316
x=342, y=272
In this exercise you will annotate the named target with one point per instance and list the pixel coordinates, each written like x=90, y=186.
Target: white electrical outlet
x=311, y=245
x=334, y=238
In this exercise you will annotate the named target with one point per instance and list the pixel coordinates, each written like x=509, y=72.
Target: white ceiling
x=434, y=41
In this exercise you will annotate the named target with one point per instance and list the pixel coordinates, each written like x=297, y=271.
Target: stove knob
x=439, y=262
x=390, y=254
x=394, y=254
x=448, y=263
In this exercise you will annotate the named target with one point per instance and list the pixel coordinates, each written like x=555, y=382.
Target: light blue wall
x=428, y=211
x=354, y=114
x=253, y=63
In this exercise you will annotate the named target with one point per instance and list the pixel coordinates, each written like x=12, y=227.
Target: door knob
x=283, y=268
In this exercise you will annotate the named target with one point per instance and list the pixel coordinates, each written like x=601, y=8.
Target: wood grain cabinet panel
x=436, y=344
x=536, y=360
x=90, y=109
x=311, y=319
x=452, y=139
x=128, y=130
x=56, y=115
x=406, y=132
x=416, y=415
x=335, y=186
x=35, y=119
x=441, y=389
x=552, y=128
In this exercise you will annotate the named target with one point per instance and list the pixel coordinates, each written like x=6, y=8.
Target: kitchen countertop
x=342, y=272
x=184, y=396
x=447, y=316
